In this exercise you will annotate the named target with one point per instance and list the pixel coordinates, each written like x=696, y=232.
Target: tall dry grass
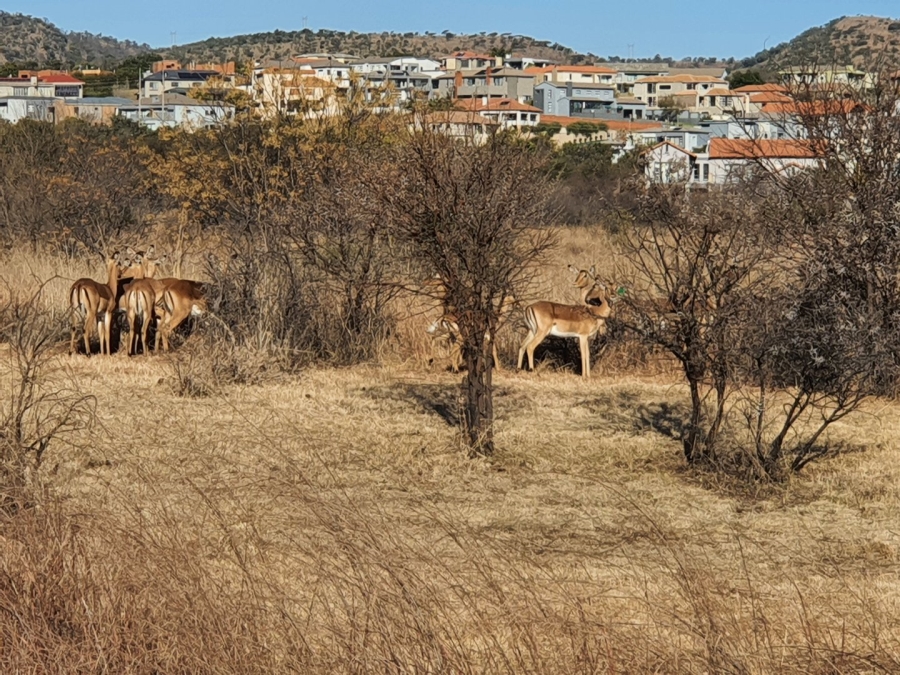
x=327, y=521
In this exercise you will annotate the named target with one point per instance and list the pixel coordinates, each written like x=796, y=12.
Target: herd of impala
x=132, y=288
x=543, y=319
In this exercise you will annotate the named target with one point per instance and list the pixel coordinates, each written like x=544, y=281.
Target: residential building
x=396, y=64
x=571, y=100
x=402, y=78
x=655, y=90
x=399, y=86
x=467, y=60
x=462, y=124
x=177, y=110
x=756, y=127
x=508, y=113
x=574, y=74
x=670, y=163
x=827, y=76
x=42, y=83
x=691, y=139
x=728, y=160
x=628, y=73
x=16, y=108
x=164, y=81
x=491, y=82
x=94, y=109
x=327, y=56
x=523, y=62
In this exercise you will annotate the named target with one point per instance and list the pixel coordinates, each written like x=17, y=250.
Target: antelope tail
x=530, y=319
x=78, y=298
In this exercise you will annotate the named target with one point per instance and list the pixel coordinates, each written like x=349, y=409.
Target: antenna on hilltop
x=631, y=52
x=174, y=36
x=305, y=21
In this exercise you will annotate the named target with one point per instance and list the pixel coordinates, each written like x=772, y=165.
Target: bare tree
x=472, y=215
x=781, y=291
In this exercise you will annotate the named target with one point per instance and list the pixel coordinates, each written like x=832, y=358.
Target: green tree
x=586, y=128
x=741, y=78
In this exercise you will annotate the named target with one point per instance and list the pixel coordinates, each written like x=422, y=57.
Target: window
x=20, y=91
x=706, y=172
x=691, y=86
x=154, y=85
x=695, y=172
x=68, y=91
x=665, y=87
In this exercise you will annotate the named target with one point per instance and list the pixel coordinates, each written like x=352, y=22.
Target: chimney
x=487, y=76
x=457, y=83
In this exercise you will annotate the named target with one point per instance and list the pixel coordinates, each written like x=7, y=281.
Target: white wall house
x=728, y=160
x=653, y=90
x=50, y=85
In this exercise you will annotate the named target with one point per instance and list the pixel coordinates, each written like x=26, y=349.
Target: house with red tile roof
x=507, y=112
x=729, y=159
x=42, y=83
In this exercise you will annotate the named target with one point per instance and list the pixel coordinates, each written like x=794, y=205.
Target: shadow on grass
x=435, y=399
x=664, y=418
x=626, y=412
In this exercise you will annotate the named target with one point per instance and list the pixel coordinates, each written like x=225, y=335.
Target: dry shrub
x=41, y=407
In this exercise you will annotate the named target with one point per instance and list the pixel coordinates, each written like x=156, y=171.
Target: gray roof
x=31, y=98
x=175, y=99
x=100, y=100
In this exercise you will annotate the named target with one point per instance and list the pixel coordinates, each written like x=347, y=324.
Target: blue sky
x=667, y=27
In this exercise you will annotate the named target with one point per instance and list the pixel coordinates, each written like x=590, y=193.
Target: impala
x=586, y=280
x=180, y=299
x=140, y=301
x=447, y=326
x=97, y=303
x=582, y=321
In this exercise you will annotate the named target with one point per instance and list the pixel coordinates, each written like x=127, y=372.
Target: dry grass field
x=329, y=521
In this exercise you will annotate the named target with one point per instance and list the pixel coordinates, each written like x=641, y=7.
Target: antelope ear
x=151, y=250
x=572, y=269
x=592, y=271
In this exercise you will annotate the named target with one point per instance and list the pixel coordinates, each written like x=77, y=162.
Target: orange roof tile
x=769, y=97
x=655, y=79
x=830, y=107
x=670, y=144
x=719, y=91
x=744, y=148
x=760, y=88
x=59, y=78
x=495, y=104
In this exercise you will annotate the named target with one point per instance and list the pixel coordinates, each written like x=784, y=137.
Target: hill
x=27, y=39
x=857, y=40
x=279, y=44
